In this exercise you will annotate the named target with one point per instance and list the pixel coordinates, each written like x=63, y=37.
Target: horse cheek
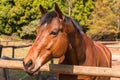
x=60, y=46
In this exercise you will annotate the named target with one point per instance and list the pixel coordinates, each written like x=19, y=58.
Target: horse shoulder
x=104, y=53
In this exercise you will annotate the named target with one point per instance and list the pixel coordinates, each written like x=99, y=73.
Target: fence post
x=1, y=50
x=13, y=51
x=6, y=72
x=7, y=43
x=52, y=61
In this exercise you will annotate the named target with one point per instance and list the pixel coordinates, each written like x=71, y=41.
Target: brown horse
x=59, y=36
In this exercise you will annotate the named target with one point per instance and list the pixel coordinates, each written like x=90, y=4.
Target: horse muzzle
x=29, y=67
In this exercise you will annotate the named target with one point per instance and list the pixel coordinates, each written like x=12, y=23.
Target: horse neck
x=76, y=53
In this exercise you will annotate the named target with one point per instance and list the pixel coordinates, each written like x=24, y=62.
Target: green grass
x=17, y=75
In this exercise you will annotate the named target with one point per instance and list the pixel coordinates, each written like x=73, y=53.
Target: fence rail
x=21, y=46
x=66, y=69
x=13, y=48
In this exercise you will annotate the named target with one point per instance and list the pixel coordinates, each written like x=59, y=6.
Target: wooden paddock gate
x=66, y=69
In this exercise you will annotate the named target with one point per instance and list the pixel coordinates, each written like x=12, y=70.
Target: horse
x=60, y=36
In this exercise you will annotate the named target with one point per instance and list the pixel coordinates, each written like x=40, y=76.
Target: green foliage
x=14, y=17
x=81, y=10
x=102, y=21
x=4, y=9
x=17, y=16
x=29, y=30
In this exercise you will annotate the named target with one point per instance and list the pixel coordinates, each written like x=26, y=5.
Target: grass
x=17, y=75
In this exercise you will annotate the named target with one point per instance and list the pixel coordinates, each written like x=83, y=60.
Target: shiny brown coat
x=59, y=36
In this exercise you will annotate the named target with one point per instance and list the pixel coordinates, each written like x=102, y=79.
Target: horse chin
x=34, y=72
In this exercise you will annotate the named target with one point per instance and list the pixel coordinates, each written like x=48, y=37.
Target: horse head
x=51, y=40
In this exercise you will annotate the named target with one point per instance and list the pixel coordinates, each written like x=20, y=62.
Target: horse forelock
x=47, y=18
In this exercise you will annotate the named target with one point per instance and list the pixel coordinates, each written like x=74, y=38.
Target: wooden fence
x=22, y=46
x=10, y=41
x=66, y=69
x=6, y=71
x=13, y=48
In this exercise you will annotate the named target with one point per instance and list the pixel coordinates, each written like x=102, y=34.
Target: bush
x=102, y=33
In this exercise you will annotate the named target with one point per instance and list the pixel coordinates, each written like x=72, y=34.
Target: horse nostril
x=29, y=63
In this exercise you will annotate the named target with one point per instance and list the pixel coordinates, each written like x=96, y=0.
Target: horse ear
x=58, y=11
x=43, y=10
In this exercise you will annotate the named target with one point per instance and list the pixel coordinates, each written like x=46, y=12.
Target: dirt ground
x=20, y=53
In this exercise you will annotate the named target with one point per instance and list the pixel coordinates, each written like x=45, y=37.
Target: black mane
x=47, y=18
x=75, y=23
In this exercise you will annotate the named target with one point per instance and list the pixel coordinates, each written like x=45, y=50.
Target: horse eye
x=53, y=33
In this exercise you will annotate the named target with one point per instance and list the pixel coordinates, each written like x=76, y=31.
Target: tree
x=5, y=6
x=101, y=21
x=81, y=10
x=17, y=15
x=115, y=7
